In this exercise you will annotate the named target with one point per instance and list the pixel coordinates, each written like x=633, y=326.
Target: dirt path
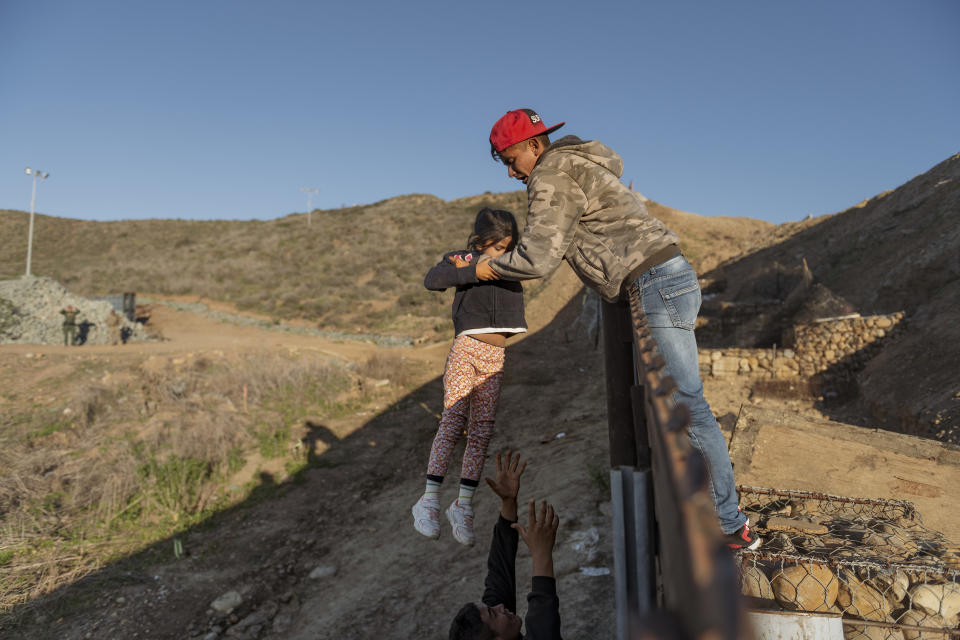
x=186, y=332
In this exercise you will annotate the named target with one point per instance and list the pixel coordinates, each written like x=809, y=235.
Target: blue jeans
x=670, y=296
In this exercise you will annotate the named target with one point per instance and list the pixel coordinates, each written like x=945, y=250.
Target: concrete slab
x=772, y=449
x=795, y=625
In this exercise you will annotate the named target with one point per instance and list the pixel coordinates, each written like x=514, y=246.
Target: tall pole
x=33, y=200
x=309, y=193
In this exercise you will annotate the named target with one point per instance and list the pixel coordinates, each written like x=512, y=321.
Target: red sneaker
x=743, y=539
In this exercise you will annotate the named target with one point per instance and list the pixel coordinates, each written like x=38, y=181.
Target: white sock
x=432, y=492
x=465, y=499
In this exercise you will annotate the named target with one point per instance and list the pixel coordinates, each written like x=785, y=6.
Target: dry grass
x=118, y=459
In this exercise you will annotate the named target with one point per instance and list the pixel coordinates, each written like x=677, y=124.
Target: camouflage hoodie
x=579, y=211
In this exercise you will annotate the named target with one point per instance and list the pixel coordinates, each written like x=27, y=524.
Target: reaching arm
x=543, y=605
x=445, y=274
x=556, y=203
x=507, y=483
x=500, y=587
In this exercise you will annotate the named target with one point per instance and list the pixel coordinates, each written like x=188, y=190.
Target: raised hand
x=507, y=483
x=540, y=534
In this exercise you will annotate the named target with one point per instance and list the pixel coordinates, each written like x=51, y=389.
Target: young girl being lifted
x=485, y=314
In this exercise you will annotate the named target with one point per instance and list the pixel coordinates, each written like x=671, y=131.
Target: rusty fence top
x=698, y=576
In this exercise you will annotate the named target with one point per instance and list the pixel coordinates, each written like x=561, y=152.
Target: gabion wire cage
x=872, y=561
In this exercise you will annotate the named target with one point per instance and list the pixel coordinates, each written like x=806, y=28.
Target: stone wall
x=851, y=340
x=777, y=363
x=846, y=342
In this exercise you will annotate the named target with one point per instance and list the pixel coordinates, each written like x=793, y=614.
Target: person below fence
x=495, y=617
x=579, y=211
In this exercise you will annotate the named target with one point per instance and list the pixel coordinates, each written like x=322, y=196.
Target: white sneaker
x=461, y=519
x=426, y=518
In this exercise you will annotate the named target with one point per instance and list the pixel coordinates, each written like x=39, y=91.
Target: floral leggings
x=471, y=387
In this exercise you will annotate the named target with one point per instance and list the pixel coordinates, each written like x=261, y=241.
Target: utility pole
x=309, y=193
x=36, y=173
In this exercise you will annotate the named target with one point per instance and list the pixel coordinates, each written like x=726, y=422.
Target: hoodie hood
x=590, y=150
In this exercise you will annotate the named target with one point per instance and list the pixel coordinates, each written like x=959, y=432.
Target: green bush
x=176, y=484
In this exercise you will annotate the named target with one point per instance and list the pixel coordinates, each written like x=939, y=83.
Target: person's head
x=477, y=621
x=518, y=139
x=494, y=232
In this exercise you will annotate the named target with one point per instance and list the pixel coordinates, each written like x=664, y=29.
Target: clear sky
x=223, y=109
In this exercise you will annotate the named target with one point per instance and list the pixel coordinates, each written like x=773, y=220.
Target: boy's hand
x=485, y=271
x=507, y=483
x=540, y=534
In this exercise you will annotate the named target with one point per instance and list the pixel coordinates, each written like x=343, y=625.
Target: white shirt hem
x=468, y=332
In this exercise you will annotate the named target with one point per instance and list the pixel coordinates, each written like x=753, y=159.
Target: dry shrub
x=264, y=374
x=94, y=402
x=390, y=367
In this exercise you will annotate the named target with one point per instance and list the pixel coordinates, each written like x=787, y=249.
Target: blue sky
x=216, y=109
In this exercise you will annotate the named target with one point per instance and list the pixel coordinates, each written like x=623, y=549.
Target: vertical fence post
x=630, y=481
x=617, y=335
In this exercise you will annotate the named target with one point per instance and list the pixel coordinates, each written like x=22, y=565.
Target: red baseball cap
x=516, y=126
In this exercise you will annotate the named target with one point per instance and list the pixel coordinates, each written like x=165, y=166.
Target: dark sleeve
x=445, y=275
x=543, y=610
x=500, y=587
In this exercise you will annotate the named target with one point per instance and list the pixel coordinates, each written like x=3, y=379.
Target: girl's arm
x=445, y=274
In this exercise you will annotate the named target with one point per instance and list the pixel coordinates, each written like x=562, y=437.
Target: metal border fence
x=674, y=576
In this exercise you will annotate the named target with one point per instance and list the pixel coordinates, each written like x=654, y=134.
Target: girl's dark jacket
x=495, y=304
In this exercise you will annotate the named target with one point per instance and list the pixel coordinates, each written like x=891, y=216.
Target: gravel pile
x=30, y=313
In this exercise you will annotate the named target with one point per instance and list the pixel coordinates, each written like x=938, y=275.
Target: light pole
x=309, y=193
x=36, y=173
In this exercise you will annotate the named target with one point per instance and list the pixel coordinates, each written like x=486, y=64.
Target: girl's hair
x=490, y=227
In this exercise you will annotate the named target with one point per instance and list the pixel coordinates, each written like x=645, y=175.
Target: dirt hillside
x=898, y=251
x=348, y=513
